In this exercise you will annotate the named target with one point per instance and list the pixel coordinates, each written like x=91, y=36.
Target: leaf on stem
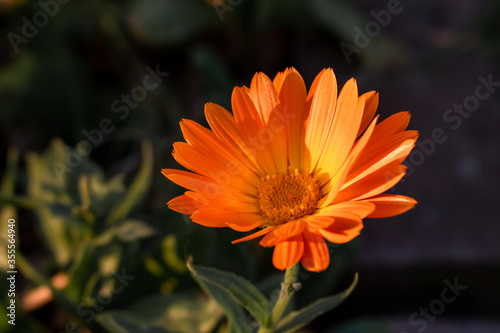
x=305, y=315
x=230, y=288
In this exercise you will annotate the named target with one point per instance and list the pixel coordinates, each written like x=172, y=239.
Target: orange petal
x=292, y=94
x=267, y=104
x=204, y=185
x=207, y=142
x=224, y=126
x=184, y=205
x=224, y=203
x=375, y=183
x=321, y=116
x=192, y=159
x=253, y=236
x=271, y=239
x=392, y=154
x=288, y=253
x=290, y=229
x=358, y=208
x=218, y=218
x=337, y=180
x=316, y=256
x=392, y=125
x=318, y=222
x=343, y=131
x=383, y=146
x=370, y=107
x=387, y=205
x=278, y=80
x=343, y=230
x=252, y=130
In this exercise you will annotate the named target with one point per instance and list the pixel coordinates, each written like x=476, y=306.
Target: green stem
x=286, y=293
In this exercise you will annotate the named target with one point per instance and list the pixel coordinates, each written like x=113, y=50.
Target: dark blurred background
x=67, y=66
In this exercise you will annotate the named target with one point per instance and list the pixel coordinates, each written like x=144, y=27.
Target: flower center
x=288, y=196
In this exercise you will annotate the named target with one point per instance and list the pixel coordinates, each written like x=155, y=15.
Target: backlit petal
x=316, y=256
x=387, y=205
x=288, y=253
x=292, y=94
x=321, y=115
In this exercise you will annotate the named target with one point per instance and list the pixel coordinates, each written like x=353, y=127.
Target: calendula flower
x=299, y=167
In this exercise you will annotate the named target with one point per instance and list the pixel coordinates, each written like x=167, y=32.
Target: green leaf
x=236, y=288
x=138, y=188
x=53, y=187
x=305, y=315
x=80, y=271
x=171, y=256
x=127, y=231
x=180, y=313
x=131, y=230
x=237, y=319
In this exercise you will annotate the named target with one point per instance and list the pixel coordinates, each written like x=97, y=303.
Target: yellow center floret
x=288, y=196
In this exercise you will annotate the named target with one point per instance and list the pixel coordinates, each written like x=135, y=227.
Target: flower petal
x=218, y=218
x=205, y=185
x=387, y=205
x=343, y=131
x=224, y=126
x=193, y=159
x=392, y=154
x=335, y=183
x=370, y=107
x=316, y=256
x=373, y=184
x=321, y=116
x=318, y=221
x=392, y=125
x=267, y=104
x=292, y=94
x=358, y=208
x=288, y=253
x=207, y=142
x=253, y=236
x=252, y=130
x=282, y=232
x=183, y=204
x=343, y=230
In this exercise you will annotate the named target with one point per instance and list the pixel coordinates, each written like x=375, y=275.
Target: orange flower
x=301, y=167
